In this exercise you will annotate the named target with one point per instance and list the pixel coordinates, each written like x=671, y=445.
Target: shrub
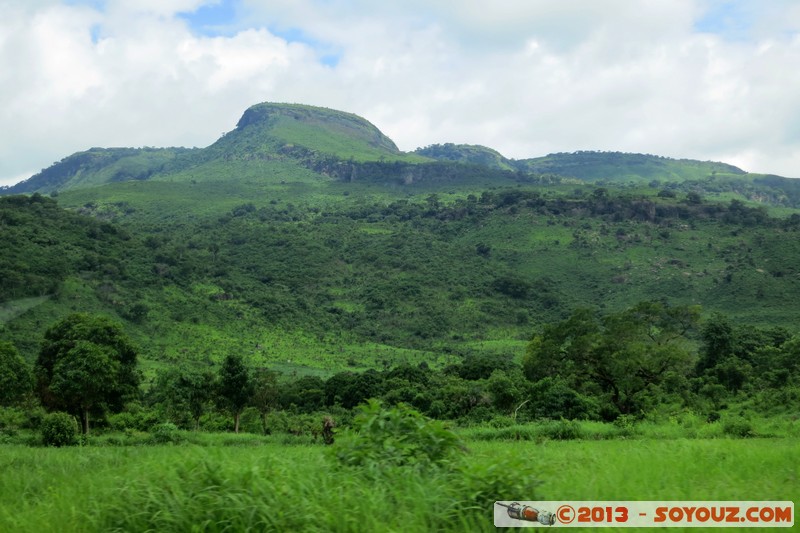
x=399, y=436
x=625, y=425
x=133, y=417
x=561, y=430
x=480, y=482
x=166, y=433
x=11, y=420
x=59, y=429
x=738, y=427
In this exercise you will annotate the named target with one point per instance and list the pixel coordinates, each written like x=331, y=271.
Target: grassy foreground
x=298, y=488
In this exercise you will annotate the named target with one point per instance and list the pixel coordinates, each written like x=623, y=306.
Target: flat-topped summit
x=317, y=128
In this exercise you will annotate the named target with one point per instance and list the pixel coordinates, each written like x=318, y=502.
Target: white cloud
x=526, y=77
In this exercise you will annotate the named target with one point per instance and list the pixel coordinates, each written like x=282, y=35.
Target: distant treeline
x=646, y=361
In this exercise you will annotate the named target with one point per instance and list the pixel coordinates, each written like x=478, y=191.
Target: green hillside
x=621, y=167
x=305, y=239
x=271, y=143
x=312, y=282
x=97, y=166
x=317, y=129
x=467, y=153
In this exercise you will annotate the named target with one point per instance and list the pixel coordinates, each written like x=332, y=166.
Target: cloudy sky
x=703, y=79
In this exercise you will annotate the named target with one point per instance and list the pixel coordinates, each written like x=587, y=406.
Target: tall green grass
x=297, y=488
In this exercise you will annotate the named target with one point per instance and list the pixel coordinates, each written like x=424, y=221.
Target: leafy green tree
x=235, y=387
x=735, y=356
x=335, y=385
x=15, y=375
x=561, y=348
x=186, y=391
x=719, y=342
x=306, y=394
x=617, y=358
x=694, y=198
x=364, y=386
x=265, y=393
x=413, y=374
x=553, y=398
x=457, y=396
x=481, y=366
x=86, y=364
x=507, y=389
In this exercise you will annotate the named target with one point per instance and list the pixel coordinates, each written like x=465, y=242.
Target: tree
x=364, y=386
x=694, y=198
x=235, y=387
x=481, y=366
x=620, y=358
x=306, y=394
x=86, y=364
x=719, y=342
x=504, y=386
x=186, y=391
x=265, y=393
x=15, y=376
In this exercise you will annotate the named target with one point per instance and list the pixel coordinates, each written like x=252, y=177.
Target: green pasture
x=268, y=487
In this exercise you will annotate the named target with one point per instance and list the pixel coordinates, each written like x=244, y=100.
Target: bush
x=561, y=430
x=625, y=425
x=133, y=417
x=480, y=483
x=166, y=433
x=11, y=420
x=399, y=436
x=738, y=427
x=59, y=429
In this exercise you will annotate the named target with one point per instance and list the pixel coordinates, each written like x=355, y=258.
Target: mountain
x=279, y=143
x=467, y=153
x=594, y=166
x=317, y=129
x=305, y=239
x=269, y=140
x=97, y=166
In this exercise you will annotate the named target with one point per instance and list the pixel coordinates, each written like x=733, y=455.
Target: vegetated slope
x=292, y=143
x=621, y=167
x=43, y=244
x=270, y=142
x=317, y=129
x=467, y=153
x=289, y=251
x=97, y=166
x=361, y=282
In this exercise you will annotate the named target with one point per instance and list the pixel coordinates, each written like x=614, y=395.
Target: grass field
x=299, y=488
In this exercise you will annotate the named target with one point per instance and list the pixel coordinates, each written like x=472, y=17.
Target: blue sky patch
x=99, y=5
x=213, y=20
x=330, y=60
x=326, y=53
x=296, y=35
x=728, y=18
x=96, y=31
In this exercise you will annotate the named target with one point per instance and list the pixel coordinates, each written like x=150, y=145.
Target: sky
x=702, y=79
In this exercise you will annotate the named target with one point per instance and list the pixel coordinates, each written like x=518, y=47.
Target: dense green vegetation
x=303, y=281
x=86, y=364
x=298, y=488
x=621, y=167
x=649, y=363
x=467, y=153
x=342, y=278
